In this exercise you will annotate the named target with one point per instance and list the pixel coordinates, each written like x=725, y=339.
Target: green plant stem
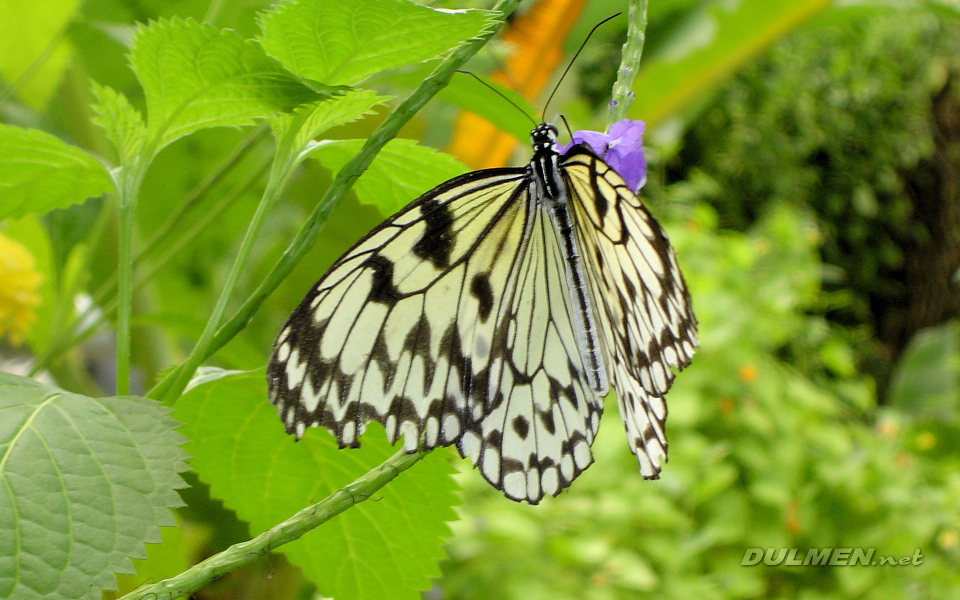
x=124, y=298
x=198, y=226
x=341, y=184
x=629, y=62
x=293, y=528
x=129, y=189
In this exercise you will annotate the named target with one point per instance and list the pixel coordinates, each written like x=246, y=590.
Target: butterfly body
x=493, y=313
x=551, y=193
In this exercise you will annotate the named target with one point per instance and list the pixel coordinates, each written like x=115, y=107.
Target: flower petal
x=621, y=148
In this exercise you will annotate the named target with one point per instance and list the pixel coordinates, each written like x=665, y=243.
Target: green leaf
x=926, y=382
x=402, y=171
x=205, y=375
x=326, y=115
x=344, y=42
x=195, y=76
x=726, y=39
x=167, y=559
x=122, y=123
x=31, y=46
x=384, y=548
x=86, y=481
x=39, y=173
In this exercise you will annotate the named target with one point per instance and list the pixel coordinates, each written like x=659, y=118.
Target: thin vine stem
x=173, y=223
x=305, y=520
x=90, y=321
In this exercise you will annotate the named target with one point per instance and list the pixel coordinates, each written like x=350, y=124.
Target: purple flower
x=621, y=148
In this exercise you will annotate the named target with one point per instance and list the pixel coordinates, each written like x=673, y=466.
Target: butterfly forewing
x=376, y=338
x=641, y=298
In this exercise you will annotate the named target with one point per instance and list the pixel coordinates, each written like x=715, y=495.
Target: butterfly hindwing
x=541, y=415
x=641, y=298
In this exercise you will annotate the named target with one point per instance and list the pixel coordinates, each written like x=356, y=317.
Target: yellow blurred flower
x=19, y=281
x=948, y=539
x=727, y=405
x=747, y=373
x=888, y=428
x=926, y=440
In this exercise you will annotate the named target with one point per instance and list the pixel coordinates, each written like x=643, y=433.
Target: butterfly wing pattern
x=645, y=310
x=454, y=322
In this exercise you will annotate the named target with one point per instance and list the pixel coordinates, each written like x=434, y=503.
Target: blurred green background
x=805, y=160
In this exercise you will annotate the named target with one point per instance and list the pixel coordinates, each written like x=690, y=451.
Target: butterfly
x=494, y=313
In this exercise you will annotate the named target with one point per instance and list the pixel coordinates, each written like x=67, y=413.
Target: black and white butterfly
x=494, y=313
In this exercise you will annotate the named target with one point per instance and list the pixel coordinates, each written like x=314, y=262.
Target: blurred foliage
x=783, y=194
x=777, y=441
x=856, y=118
x=763, y=454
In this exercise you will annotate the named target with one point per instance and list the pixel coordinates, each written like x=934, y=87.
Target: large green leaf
x=721, y=37
x=39, y=173
x=401, y=171
x=86, y=481
x=926, y=382
x=195, y=76
x=344, y=42
x=384, y=548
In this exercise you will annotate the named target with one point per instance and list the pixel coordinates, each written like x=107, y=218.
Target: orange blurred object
x=538, y=41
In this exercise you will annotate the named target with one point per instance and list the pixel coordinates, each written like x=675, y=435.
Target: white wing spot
x=550, y=481
x=470, y=446
x=430, y=431
x=566, y=467
x=349, y=432
x=515, y=485
x=491, y=463
x=411, y=441
x=581, y=454
x=533, y=485
x=451, y=427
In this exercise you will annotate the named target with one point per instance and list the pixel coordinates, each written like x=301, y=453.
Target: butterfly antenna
x=572, y=60
x=497, y=92
x=567, y=125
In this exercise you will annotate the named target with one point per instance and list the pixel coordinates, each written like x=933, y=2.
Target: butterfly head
x=544, y=138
